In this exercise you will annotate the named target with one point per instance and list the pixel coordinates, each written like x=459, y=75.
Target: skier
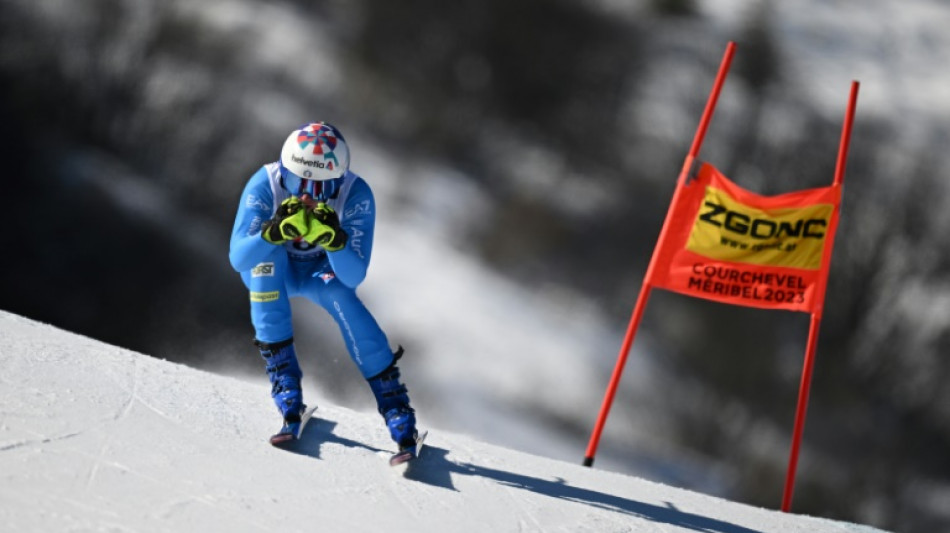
x=304, y=227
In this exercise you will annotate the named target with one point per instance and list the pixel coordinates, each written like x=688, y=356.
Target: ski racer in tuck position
x=304, y=227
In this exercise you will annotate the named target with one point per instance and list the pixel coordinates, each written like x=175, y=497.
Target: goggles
x=317, y=189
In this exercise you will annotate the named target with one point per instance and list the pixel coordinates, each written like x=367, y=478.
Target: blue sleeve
x=257, y=205
x=358, y=220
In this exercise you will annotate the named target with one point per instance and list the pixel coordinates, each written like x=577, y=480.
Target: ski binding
x=290, y=433
x=403, y=457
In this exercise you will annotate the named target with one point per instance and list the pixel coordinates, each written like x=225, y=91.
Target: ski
x=402, y=458
x=290, y=433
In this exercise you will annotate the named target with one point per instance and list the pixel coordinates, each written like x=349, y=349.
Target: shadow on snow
x=318, y=432
x=435, y=468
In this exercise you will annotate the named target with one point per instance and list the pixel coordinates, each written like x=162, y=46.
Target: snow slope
x=99, y=438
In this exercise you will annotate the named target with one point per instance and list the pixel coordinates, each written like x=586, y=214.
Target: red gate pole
x=645, y=289
x=805, y=386
x=846, y=134
x=803, y=393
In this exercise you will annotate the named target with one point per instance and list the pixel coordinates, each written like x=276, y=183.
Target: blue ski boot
x=392, y=399
x=280, y=361
x=292, y=428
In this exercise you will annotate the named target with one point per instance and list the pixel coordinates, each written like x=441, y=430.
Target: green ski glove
x=271, y=230
x=319, y=226
x=334, y=239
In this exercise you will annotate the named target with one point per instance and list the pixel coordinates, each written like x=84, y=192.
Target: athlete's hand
x=271, y=230
x=333, y=237
x=301, y=218
x=318, y=226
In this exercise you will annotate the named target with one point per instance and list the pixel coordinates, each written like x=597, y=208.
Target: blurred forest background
x=129, y=127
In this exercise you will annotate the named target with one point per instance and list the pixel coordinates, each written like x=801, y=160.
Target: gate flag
x=733, y=246
x=721, y=242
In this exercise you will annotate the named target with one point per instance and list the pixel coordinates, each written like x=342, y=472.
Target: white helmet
x=316, y=151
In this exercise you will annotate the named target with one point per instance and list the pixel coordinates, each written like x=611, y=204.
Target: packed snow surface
x=99, y=438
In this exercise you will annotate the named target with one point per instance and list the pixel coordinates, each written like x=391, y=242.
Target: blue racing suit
x=275, y=273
